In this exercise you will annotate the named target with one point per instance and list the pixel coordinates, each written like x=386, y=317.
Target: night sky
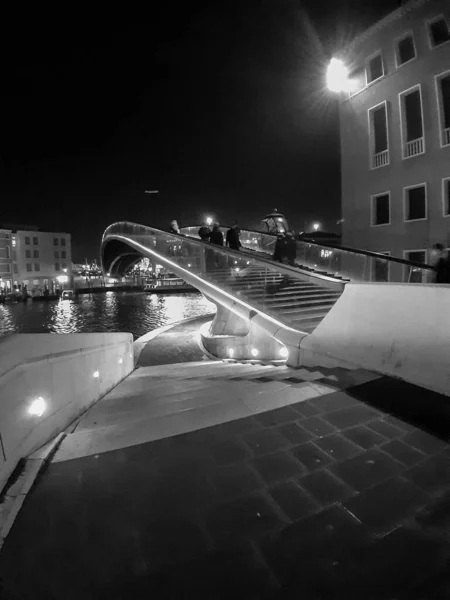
x=220, y=106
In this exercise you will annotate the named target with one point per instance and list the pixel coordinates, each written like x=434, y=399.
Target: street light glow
x=62, y=278
x=37, y=407
x=316, y=226
x=337, y=77
x=208, y=220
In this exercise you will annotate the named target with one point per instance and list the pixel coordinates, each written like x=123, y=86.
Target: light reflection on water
x=135, y=312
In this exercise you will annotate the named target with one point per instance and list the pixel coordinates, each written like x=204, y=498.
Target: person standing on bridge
x=216, y=236
x=204, y=233
x=174, y=228
x=233, y=240
x=442, y=264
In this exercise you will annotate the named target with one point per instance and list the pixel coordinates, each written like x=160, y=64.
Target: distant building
x=6, y=269
x=41, y=260
x=395, y=135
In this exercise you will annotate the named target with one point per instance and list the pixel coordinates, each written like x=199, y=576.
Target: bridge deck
x=342, y=491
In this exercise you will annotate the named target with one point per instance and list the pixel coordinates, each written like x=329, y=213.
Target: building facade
x=6, y=268
x=41, y=260
x=395, y=135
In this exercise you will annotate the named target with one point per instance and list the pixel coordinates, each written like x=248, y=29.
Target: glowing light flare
x=337, y=77
x=120, y=360
x=62, y=279
x=209, y=221
x=284, y=352
x=254, y=352
x=316, y=226
x=231, y=352
x=96, y=374
x=38, y=407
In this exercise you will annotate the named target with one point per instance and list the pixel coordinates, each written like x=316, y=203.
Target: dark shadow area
x=417, y=406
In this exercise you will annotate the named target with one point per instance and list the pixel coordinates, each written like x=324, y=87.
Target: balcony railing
x=446, y=137
x=381, y=159
x=414, y=147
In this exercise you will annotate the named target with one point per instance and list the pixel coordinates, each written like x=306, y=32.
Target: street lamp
x=209, y=221
x=337, y=77
x=316, y=226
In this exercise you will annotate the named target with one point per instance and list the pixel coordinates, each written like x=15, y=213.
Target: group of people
x=285, y=248
x=214, y=235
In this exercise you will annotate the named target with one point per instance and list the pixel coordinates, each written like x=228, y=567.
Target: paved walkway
x=340, y=492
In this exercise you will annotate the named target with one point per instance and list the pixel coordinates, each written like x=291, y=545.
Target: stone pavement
x=343, y=495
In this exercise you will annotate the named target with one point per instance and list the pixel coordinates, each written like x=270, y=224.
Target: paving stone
x=235, y=480
x=403, y=452
x=387, y=504
x=333, y=402
x=278, y=416
x=265, y=441
x=436, y=516
x=349, y=417
x=338, y=447
x=399, y=423
x=293, y=500
x=294, y=433
x=317, y=426
x=367, y=469
x=306, y=408
x=311, y=456
x=250, y=515
x=228, y=452
x=431, y=475
x=279, y=466
x=429, y=444
x=238, y=426
x=364, y=437
x=234, y=571
x=324, y=487
x=297, y=552
x=388, y=431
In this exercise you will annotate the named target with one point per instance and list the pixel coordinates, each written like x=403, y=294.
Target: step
x=285, y=308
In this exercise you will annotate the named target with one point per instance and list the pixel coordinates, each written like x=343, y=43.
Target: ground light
x=254, y=352
x=38, y=407
x=96, y=374
x=284, y=352
x=231, y=352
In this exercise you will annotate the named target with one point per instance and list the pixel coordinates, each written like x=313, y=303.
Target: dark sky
x=220, y=106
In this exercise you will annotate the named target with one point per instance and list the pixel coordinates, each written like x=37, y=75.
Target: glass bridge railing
x=346, y=263
x=254, y=280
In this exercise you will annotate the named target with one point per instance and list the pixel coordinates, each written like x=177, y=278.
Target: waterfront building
x=395, y=135
x=5, y=261
x=41, y=260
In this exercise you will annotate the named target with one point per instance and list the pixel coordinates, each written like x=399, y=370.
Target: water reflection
x=137, y=313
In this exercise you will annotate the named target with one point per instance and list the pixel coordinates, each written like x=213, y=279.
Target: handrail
x=280, y=267
x=370, y=253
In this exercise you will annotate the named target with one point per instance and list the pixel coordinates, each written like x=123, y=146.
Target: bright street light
x=316, y=226
x=151, y=191
x=208, y=220
x=337, y=77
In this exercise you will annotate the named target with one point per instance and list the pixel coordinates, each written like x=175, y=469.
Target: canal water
x=135, y=312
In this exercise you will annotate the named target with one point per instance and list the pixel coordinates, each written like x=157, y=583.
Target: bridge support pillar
x=238, y=336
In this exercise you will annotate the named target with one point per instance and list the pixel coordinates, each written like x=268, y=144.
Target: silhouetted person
x=280, y=248
x=442, y=264
x=233, y=234
x=291, y=248
x=174, y=228
x=204, y=232
x=216, y=236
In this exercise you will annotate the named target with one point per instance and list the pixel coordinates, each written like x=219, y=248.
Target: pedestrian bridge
x=306, y=315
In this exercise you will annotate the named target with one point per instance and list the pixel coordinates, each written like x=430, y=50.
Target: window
x=29, y=267
x=56, y=254
x=16, y=269
x=375, y=68
x=63, y=254
x=14, y=242
x=27, y=253
x=35, y=241
x=439, y=31
x=414, y=274
x=63, y=241
x=27, y=240
x=413, y=142
x=406, y=50
x=8, y=252
x=57, y=267
x=55, y=241
x=381, y=209
x=36, y=254
x=415, y=202
x=446, y=196
x=381, y=268
x=37, y=267
x=5, y=268
x=64, y=266
x=443, y=96
x=378, y=135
